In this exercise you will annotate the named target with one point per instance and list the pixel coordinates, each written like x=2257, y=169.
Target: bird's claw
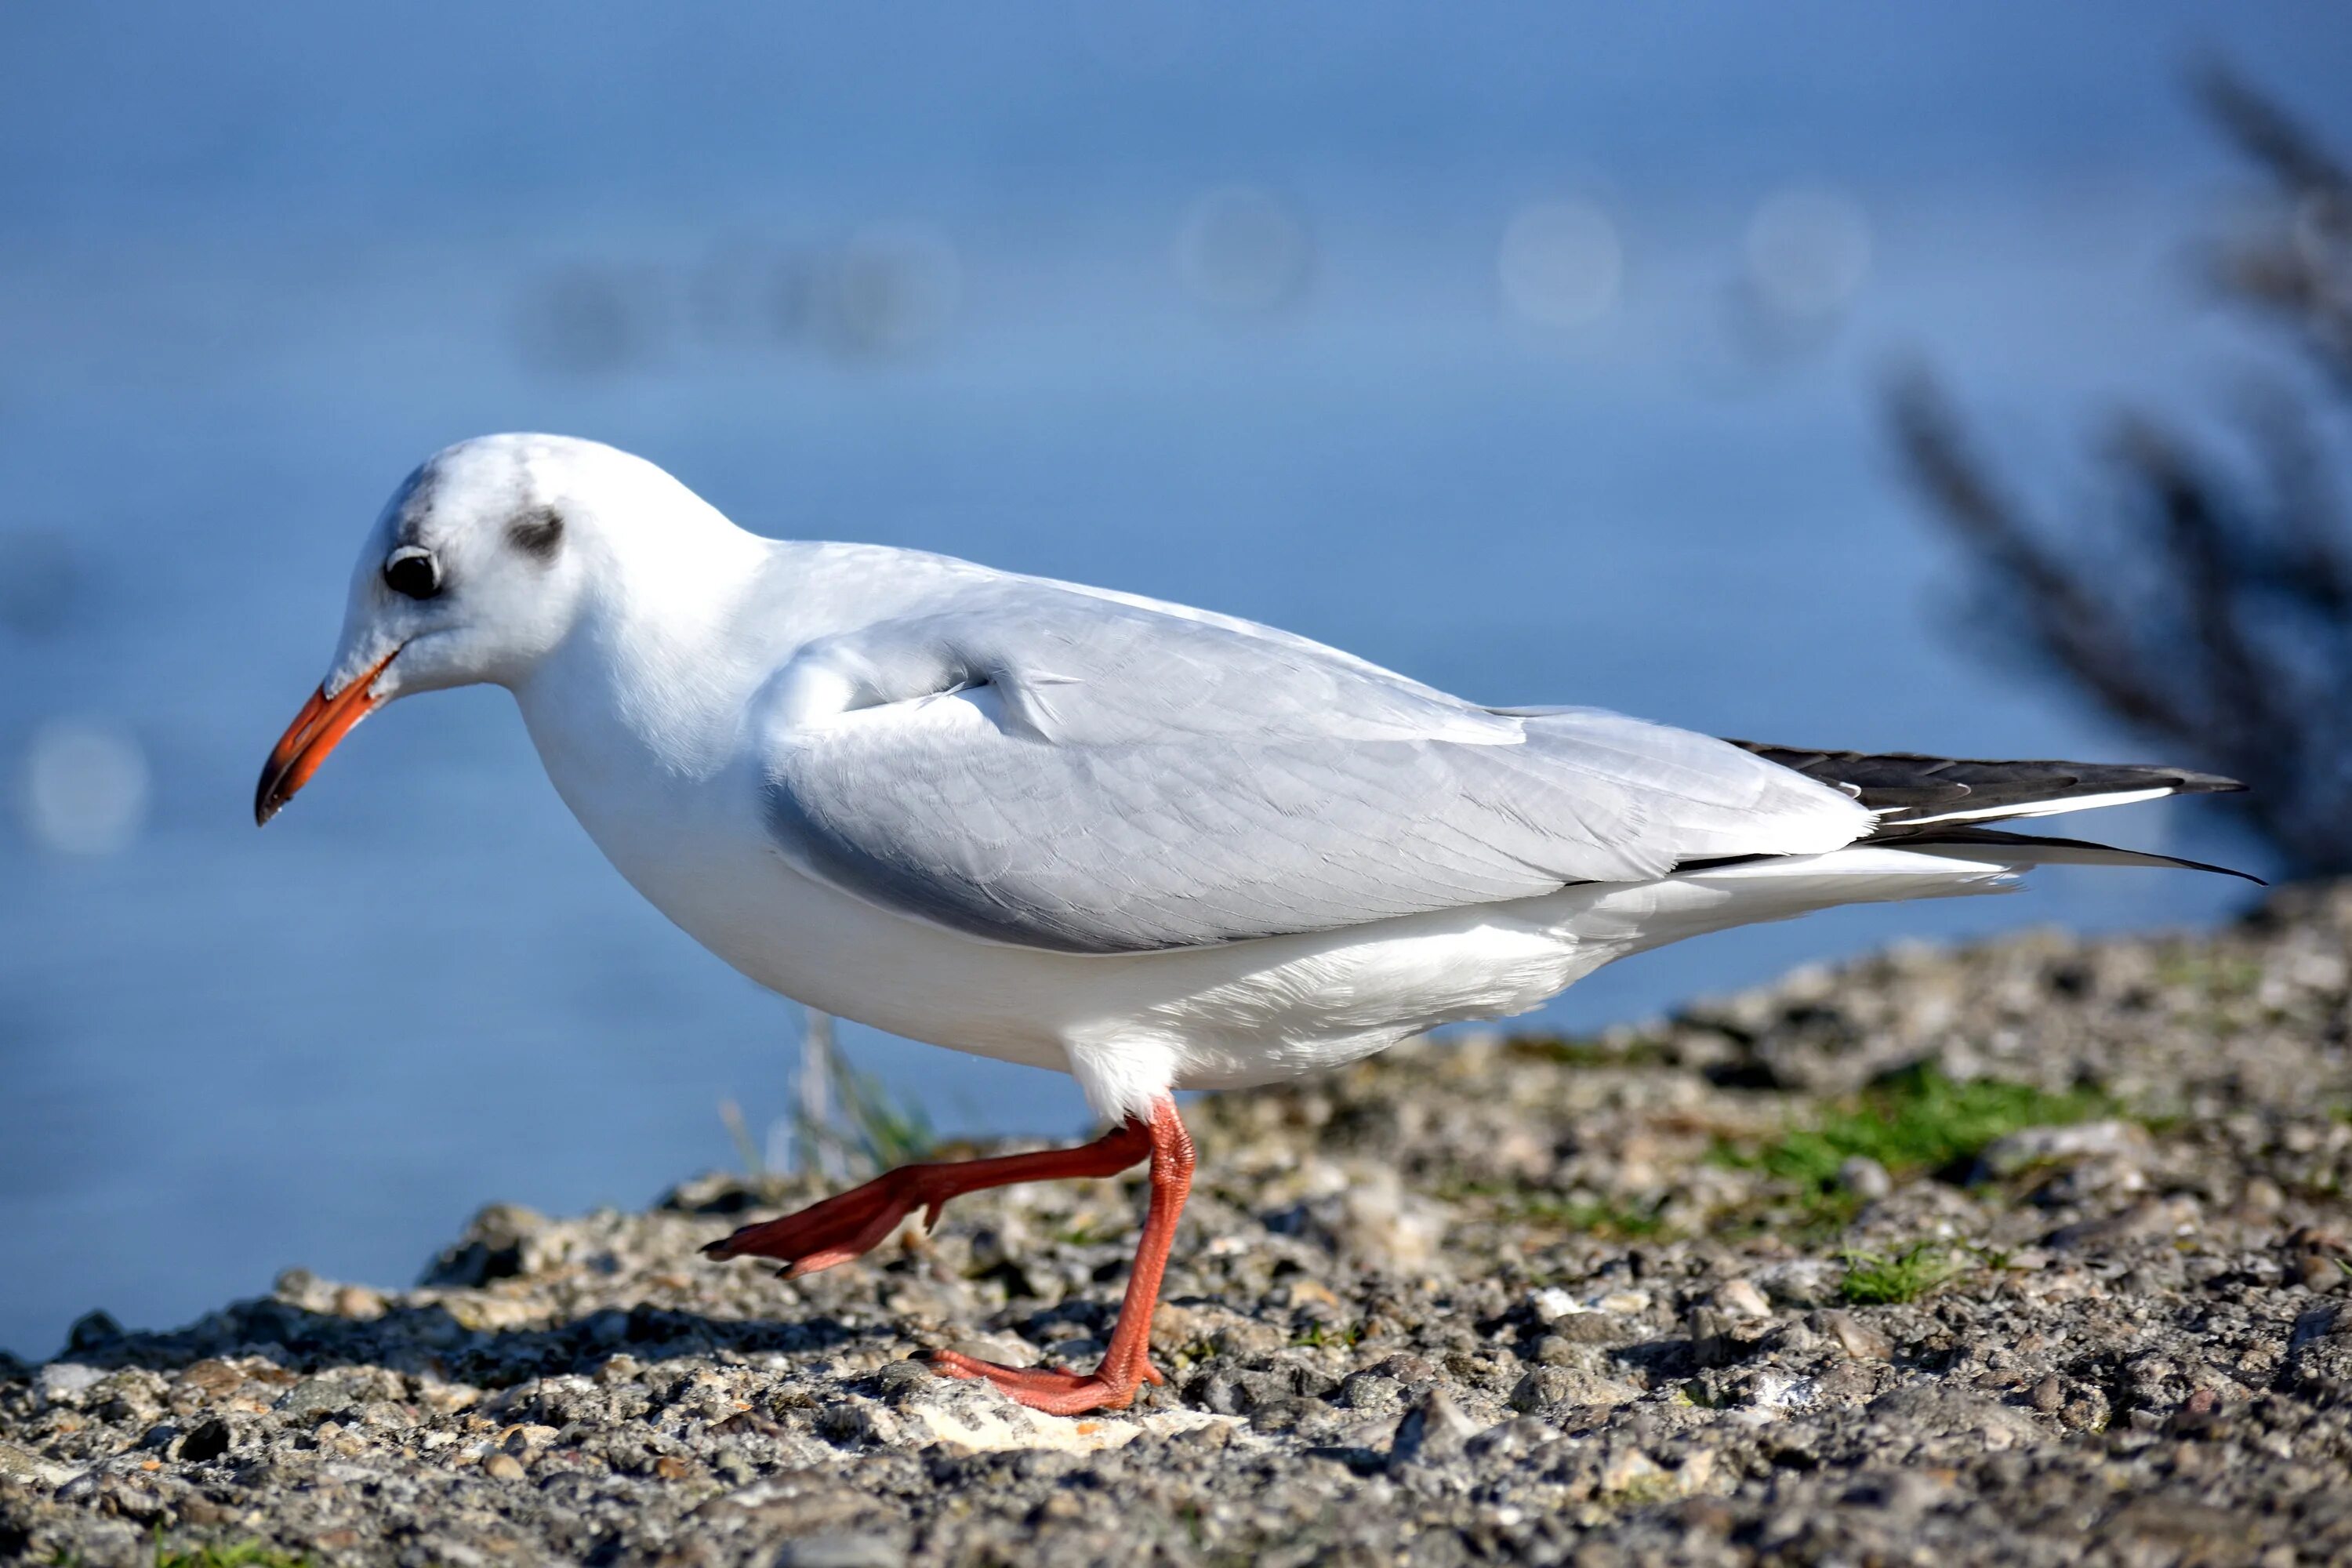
x=1051, y=1389
x=832, y=1231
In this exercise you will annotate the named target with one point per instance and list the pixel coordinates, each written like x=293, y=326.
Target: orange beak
x=322, y=722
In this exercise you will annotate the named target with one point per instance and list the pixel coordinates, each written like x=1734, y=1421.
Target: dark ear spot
x=411, y=506
x=538, y=533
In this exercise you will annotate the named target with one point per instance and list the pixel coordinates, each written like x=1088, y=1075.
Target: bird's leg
x=1111, y=1385
x=852, y=1224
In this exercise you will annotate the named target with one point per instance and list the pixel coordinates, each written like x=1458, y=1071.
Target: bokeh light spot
x=1243, y=248
x=84, y=789
x=1562, y=263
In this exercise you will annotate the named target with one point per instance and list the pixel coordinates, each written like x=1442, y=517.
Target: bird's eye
x=413, y=572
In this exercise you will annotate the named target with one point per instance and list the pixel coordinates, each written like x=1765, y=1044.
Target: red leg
x=1111, y=1386
x=852, y=1224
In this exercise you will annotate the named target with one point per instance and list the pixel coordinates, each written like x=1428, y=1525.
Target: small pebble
x=1741, y=1299
x=1865, y=1178
x=1856, y=1338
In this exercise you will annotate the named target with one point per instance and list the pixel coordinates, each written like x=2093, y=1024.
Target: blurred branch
x=2293, y=261
x=2312, y=559
x=2266, y=133
x=2212, y=609
x=2067, y=616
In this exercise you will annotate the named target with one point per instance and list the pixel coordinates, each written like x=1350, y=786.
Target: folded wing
x=1050, y=768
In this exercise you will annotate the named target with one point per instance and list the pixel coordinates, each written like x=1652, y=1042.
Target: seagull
x=1155, y=848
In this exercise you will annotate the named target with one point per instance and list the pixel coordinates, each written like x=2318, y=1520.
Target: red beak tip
x=323, y=722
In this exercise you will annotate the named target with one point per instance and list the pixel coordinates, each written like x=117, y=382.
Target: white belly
x=1211, y=1017
x=1131, y=1027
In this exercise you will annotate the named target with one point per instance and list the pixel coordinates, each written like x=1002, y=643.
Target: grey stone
x=1862, y=1340
x=1434, y=1431
x=65, y=1382
x=1865, y=1178
x=22, y=1464
x=312, y=1398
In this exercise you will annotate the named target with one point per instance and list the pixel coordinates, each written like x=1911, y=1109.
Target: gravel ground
x=2026, y=1254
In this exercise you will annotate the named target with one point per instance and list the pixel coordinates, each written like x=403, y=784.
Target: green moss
x=1919, y=1119
x=1823, y=1211
x=1874, y=1279
x=1622, y=1221
x=1541, y=1209
x=1569, y=1051
x=1093, y=1232
x=1810, y=1217
x=230, y=1554
x=1697, y=1394
x=1320, y=1334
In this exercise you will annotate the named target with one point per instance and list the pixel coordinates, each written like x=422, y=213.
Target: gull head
x=475, y=569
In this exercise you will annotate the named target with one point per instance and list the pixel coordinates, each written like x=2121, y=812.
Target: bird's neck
x=652, y=677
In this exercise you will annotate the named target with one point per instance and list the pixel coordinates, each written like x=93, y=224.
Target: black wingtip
x=2184, y=782
x=1994, y=838
x=2217, y=870
x=1909, y=788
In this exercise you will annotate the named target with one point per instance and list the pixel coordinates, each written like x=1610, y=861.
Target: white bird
x=1152, y=846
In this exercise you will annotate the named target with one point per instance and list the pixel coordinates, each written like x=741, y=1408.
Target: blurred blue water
x=251, y=273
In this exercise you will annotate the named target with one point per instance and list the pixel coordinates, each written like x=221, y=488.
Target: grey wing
x=1080, y=774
